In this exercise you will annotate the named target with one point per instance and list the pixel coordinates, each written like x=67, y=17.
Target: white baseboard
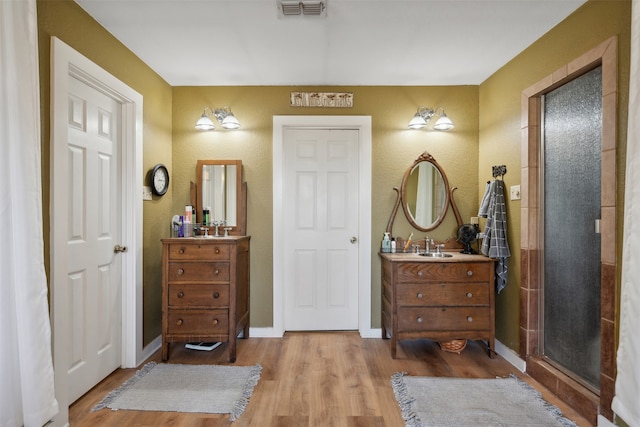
x=603, y=422
x=371, y=333
x=151, y=348
x=267, y=332
x=511, y=356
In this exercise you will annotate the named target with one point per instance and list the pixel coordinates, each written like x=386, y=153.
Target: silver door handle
x=118, y=248
x=353, y=239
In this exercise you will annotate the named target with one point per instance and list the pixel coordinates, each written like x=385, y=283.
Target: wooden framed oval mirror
x=425, y=195
x=221, y=191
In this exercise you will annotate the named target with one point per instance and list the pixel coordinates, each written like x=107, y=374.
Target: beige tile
x=559, y=75
x=524, y=187
x=609, y=66
x=524, y=228
x=609, y=122
x=608, y=180
x=608, y=235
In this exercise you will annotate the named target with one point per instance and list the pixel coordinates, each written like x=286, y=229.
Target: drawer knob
x=181, y=251
x=469, y=273
x=419, y=273
x=216, y=295
x=419, y=319
x=180, y=294
x=179, y=322
x=469, y=295
x=419, y=295
x=216, y=272
x=217, y=250
x=215, y=321
x=180, y=271
x=469, y=319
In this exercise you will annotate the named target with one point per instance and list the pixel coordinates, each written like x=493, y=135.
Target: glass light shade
x=443, y=123
x=204, y=123
x=230, y=122
x=418, y=122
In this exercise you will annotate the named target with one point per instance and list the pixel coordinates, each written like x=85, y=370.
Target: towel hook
x=499, y=171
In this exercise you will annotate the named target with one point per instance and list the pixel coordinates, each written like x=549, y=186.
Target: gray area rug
x=461, y=402
x=209, y=389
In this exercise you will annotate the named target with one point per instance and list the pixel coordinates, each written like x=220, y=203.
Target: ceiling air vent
x=293, y=8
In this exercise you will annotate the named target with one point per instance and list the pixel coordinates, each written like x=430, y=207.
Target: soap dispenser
x=386, y=243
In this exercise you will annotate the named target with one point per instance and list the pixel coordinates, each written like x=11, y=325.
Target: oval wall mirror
x=425, y=193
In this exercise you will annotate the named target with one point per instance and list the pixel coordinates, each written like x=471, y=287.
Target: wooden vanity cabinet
x=205, y=291
x=440, y=299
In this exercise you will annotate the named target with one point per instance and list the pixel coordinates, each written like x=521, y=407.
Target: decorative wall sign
x=322, y=99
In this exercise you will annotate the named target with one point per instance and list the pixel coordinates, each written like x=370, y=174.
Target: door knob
x=353, y=239
x=118, y=248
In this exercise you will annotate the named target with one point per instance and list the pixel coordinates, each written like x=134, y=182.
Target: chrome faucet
x=427, y=245
x=217, y=224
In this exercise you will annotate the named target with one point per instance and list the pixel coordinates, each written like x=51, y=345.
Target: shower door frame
x=587, y=402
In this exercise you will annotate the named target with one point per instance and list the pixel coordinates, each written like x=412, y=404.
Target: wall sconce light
x=224, y=116
x=424, y=114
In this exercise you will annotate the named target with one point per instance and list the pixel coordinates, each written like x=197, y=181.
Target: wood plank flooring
x=314, y=379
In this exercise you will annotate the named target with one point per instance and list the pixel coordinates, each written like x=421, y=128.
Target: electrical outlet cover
x=515, y=192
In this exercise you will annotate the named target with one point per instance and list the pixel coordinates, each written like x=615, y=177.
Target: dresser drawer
x=198, y=322
x=442, y=271
x=190, y=251
x=205, y=296
x=430, y=294
x=198, y=272
x=443, y=318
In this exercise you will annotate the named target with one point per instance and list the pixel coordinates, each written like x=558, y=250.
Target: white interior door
x=321, y=229
x=95, y=195
x=94, y=228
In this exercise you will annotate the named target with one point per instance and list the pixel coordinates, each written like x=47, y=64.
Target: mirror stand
x=394, y=211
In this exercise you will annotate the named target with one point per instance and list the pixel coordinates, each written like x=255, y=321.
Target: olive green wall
x=395, y=147
x=499, y=143
x=67, y=21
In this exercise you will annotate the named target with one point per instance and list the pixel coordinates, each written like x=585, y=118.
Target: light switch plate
x=515, y=192
x=146, y=193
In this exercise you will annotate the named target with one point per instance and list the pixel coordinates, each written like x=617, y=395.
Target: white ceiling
x=359, y=42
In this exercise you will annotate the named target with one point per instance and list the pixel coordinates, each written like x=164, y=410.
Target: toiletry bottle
x=181, y=227
x=386, y=243
x=187, y=227
x=393, y=245
x=187, y=220
x=205, y=217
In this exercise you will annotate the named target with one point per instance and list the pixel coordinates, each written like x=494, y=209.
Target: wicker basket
x=453, y=346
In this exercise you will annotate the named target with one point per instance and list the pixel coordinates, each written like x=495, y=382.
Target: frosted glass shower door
x=571, y=244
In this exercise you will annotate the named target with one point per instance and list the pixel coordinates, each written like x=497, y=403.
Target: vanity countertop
x=204, y=239
x=456, y=256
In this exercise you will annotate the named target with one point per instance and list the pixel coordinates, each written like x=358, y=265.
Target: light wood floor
x=317, y=379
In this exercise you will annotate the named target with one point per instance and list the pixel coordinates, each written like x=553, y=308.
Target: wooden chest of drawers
x=205, y=291
x=441, y=299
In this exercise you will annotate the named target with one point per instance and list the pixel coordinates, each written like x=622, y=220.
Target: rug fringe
x=557, y=413
x=109, y=398
x=241, y=404
x=405, y=401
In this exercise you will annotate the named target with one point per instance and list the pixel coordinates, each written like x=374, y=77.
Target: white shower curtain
x=26, y=388
x=626, y=402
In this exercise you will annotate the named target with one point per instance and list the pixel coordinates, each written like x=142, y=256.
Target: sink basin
x=437, y=255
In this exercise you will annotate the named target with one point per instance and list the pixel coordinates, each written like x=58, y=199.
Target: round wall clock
x=159, y=179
